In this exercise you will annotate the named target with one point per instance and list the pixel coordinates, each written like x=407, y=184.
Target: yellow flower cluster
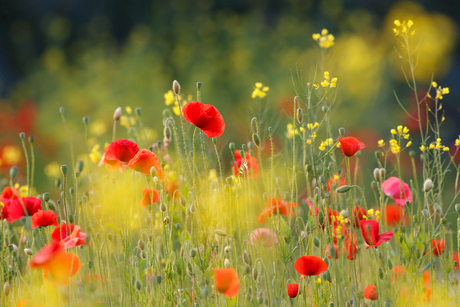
x=381, y=143
x=311, y=127
x=438, y=146
x=325, y=39
x=371, y=214
x=328, y=142
x=401, y=131
x=327, y=81
x=127, y=120
x=403, y=27
x=170, y=99
x=457, y=141
x=260, y=90
x=440, y=91
x=290, y=131
x=95, y=155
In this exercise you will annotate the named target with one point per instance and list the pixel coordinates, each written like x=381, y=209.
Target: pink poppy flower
x=398, y=190
x=264, y=236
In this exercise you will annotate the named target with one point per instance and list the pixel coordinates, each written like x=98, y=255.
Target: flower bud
x=61, y=110
x=381, y=273
x=247, y=259
x=176, y=87
x=192, y=208
x=163, y=207
x=425, y=212
x=231, y=146
x=343, y=189
x=13, y=171
x=382, y=174
x=167, y=133
x=344, y=213
x=86, y=120
x=138, y=285
x=159, y=279
x=220, y=233
x=227, y=249
x=31, y=139
x=256, y=139
x=138, y=111
x=64, y=169
x=316, y=242
x=427, y=185
x=6, y=288
x=341, y=131
x=377, y=174
x=321, y=218
x=22, y=135
x=28, y=252
x=457, y=208
x=141, y=245
x=227, y=263
x=166, y=220
x=299, y=115
x=325, y=109
x=270, y=130
x=117, y=114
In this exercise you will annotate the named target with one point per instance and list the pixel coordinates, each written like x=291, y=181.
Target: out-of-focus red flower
x=276, y=206
x=426, y=278
x=28, y=303
x=335, y=181
x=143, y=162
x=292, y=290
x=371, y=234
x=310, y=265
x=397, y=270
x=204, y=116
x=226, y=281
x=398, y=190
x=438, y=247
x=251, y=169
x=264, y=236
x=10, y=193
x=58, y=266
x=455, y=258
x=171, y=187
x=350, y=246
x=150, y=196
x=76, y=238
x=61, y=232
x=328, y=253
x=370, y=292
x=395, y=216
x=44, y=218
x=16, y=208
x=358, y=214
x=350, y=145
x=4, y=204
x=118, y=152
x=427, y=295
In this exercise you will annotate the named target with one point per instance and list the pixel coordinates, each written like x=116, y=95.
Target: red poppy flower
x=57, y=265
x=310, y=265
x=328, y=253
x=350, y=246
x=143, y=162
x=395, y=216
x=118, y=152
x=277, y=207
x=226, y=281
x=150, y=196
x=10, y=193
x=438, y=247
x=350, y=145
x=397, y=270
x=371, y=235
x=16, y=207
x=358, y=214
x=292, y=290
x=426, y=278
x=171, y=187
x=204, y=116
x=44, y=218
x=398, y=190
x=61, y=232
x=4, y=204
x=370, y=292
x=76, y=238
x=250, y=169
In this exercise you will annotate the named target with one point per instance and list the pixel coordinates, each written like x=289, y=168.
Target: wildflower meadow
x=289, y=213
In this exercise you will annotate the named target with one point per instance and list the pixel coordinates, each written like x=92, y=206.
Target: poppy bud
x=220, y=233
x=117, y=114
x=110, y=236
x=22, y=135
x=427, y=185
x=231, y=146
x=138, y=285
x=138, y=111
x=316, y=242
x=167, y=133
x=183, y=201
x=64, y=169
x=255, y=274
x=247, y=259
x=176, y=87
x=261, y=300
x=387, y=304
x=341, y=131
x=344, y=213
x=327, y=274
x=31, y=139
x=343, y=189
x=6, y=288
x=166, y=220
x=374, y=185
x=377, y=154
x=325, y=109
x=227, y=263
x=390, y=264
x=141, y=245
x=256, y=139
x=86, y=120
x=381, y=273
x=13, y=171
x=61, y=110
x=425, y=212
x=382, y=174
x=299, y=115
x=377, y=174
x=46, y=196
x=163, y=207
x=308, y=168
x=322, y=179
x=28, y=252
x=411, y=153
x=270, y=130
x=443, y=221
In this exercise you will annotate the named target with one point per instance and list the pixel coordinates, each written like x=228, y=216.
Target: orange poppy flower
x=44, y=218
x=150, y=196
x=143, y=162
x=310, y=265
x=350, y=145
x=277, y=207
x=370, y=292
x=226, y=281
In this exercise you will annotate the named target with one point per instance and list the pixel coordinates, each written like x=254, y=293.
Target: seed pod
x=343, y=189
x=443, y=221
x=64, y=169
x=256, y=139
x=427, y=185
x=46, y=196
x=117, y=114
x=377, y=174
x=227, y=263
x=220, y=233
x=176, y=87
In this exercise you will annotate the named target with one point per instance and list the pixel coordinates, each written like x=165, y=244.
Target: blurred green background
x=92, y=56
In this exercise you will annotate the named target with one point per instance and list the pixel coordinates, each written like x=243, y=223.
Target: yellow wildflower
x=169, y=98
x=381, y=143
x=423, y=148
x=325, y=39
x=129, y=110
x=260, y=90
x=318, y=281
x=95, y=155
x=457, y=141
x=53, y=170
x=290, y=131
x=409, y=143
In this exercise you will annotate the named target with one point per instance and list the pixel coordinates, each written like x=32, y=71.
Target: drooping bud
x=6, y=288
x=167, y=133
x=343, y=189
x=247, y=259
x=316, y=242
x=382, y=174
x=457, y=208
x=427, y=185
x=220, y=233
x=166, y=220
x=299, y=115
x=344, y=213
x=176, y=87
x=117, y=114
x=341, y=131
x=163, y=207
x=231, y=146
x=256, y=139
x=28, y=252
x=141, y=245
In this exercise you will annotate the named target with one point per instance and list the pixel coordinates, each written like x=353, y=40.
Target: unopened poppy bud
x=341, y=131
x=192, y=208
x=22, y=135
x=227, y=249
x=193, y=253
x=247, y=258
x=220, y=233
x=256, y=139
x=227, y=263
x=31, y=139
x=382, y=174
x=166, y=220
x=457, y=208
x=377, y=174
x=71, y=218
x=300, y=115
x=46, y=196
x=6, y=288
x=344, y=213
x=178, y=226
x=110, y=236
x=163, y=207
x=231, y=146
x=322, y=179
x=343, y=189
x=332, y=251
x=28, y=252
x=138, y=111
x=12, y=247
x=381, y=273
x=403, y=229
x=64, y=169
x=13, y=171
x=141, y=245
x=255, y=274
x=425, y=212
x=167, y=133
x=117, y=114
x=308, y=168
x=61, y=110
x=374, y=185
x=138, y=285
x=176, y=87
x=270, y=130
x=427, y=185
x=387, y=304
x=86, y=120
x=325, y=109
x=261, y=300
x=390, y=264
x=443, y=221
x=378, y=154
x=159, y=279
x=316, y=242
x=411, y=153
